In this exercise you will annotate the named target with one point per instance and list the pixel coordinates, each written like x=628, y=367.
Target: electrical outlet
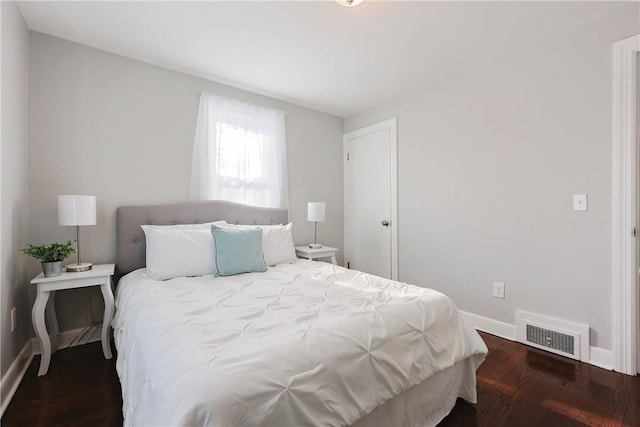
x=13, y=319
x=498, y=290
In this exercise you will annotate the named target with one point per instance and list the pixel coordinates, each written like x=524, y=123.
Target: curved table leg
x=108, y=315
x=50, y=311
x=37, y=317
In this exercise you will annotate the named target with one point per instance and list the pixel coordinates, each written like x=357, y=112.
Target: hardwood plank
x=517, y=386
x=520, y=385
x=81, y=388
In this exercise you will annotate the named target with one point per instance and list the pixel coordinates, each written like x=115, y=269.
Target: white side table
x=311, y=254
x=99, y=275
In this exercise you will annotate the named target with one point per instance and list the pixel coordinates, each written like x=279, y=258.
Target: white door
x=370, y=203
x=637, y=231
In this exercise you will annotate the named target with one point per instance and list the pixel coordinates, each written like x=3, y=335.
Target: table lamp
x=315, y=213
x=77, y=210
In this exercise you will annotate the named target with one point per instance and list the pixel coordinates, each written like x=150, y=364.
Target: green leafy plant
x=49, y=252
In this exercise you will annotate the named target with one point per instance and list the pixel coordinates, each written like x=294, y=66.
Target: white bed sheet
x=303, y=344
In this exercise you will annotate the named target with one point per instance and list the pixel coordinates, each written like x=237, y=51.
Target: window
x=239, y=153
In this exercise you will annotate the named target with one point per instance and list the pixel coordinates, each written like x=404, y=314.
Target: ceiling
x=317, y=54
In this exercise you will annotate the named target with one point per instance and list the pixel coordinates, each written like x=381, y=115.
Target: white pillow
x=277, y=243
x=179, y=250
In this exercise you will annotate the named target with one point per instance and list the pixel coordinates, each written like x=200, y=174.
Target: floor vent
x=551, y=339
x=557, y=336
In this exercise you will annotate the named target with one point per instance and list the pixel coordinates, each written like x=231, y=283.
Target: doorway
x=626, y=295
x=370, y=199
x=637, y=168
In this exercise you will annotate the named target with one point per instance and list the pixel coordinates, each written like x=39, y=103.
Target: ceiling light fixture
x=348, y=3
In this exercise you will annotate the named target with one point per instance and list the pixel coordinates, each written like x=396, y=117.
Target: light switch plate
x=579, y=202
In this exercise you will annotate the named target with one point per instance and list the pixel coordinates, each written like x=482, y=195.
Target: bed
x=303, y=343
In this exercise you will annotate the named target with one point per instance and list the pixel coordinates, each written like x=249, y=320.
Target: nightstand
x=99, y=275
x=311, y=254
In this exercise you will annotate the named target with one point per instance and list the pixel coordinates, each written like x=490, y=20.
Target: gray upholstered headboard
x=130, y=239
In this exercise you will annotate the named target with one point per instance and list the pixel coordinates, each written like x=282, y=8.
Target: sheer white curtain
x=239, y=153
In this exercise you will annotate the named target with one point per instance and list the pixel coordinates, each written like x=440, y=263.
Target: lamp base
x=76, y=268
x=315, y=245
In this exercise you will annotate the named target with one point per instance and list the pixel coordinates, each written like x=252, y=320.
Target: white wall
x=13, y=288
x=123, y=130
x=488, y=161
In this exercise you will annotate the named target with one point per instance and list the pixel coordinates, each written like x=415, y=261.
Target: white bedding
x=308, y=343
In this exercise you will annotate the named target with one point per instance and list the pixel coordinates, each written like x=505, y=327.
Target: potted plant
x=51, y=256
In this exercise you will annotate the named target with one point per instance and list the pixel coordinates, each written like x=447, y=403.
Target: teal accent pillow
x=238, y=250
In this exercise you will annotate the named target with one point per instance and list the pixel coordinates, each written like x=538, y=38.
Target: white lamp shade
x=315, y=211
x=76, y=210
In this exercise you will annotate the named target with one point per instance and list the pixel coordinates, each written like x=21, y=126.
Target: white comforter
x=303, y=344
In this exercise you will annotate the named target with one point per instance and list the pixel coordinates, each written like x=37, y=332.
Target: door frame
x=624, y=269
x=391, y=126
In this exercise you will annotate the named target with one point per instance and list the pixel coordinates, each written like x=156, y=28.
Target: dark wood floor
x=523, y=386
x=517, y=386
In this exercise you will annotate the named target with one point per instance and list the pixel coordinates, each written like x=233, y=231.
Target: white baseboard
x=67, y=337
x=597, y=356
x=491, y=326
x=601, y=358
x=11, y=379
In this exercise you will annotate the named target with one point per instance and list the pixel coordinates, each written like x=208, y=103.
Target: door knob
x=385, y=223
